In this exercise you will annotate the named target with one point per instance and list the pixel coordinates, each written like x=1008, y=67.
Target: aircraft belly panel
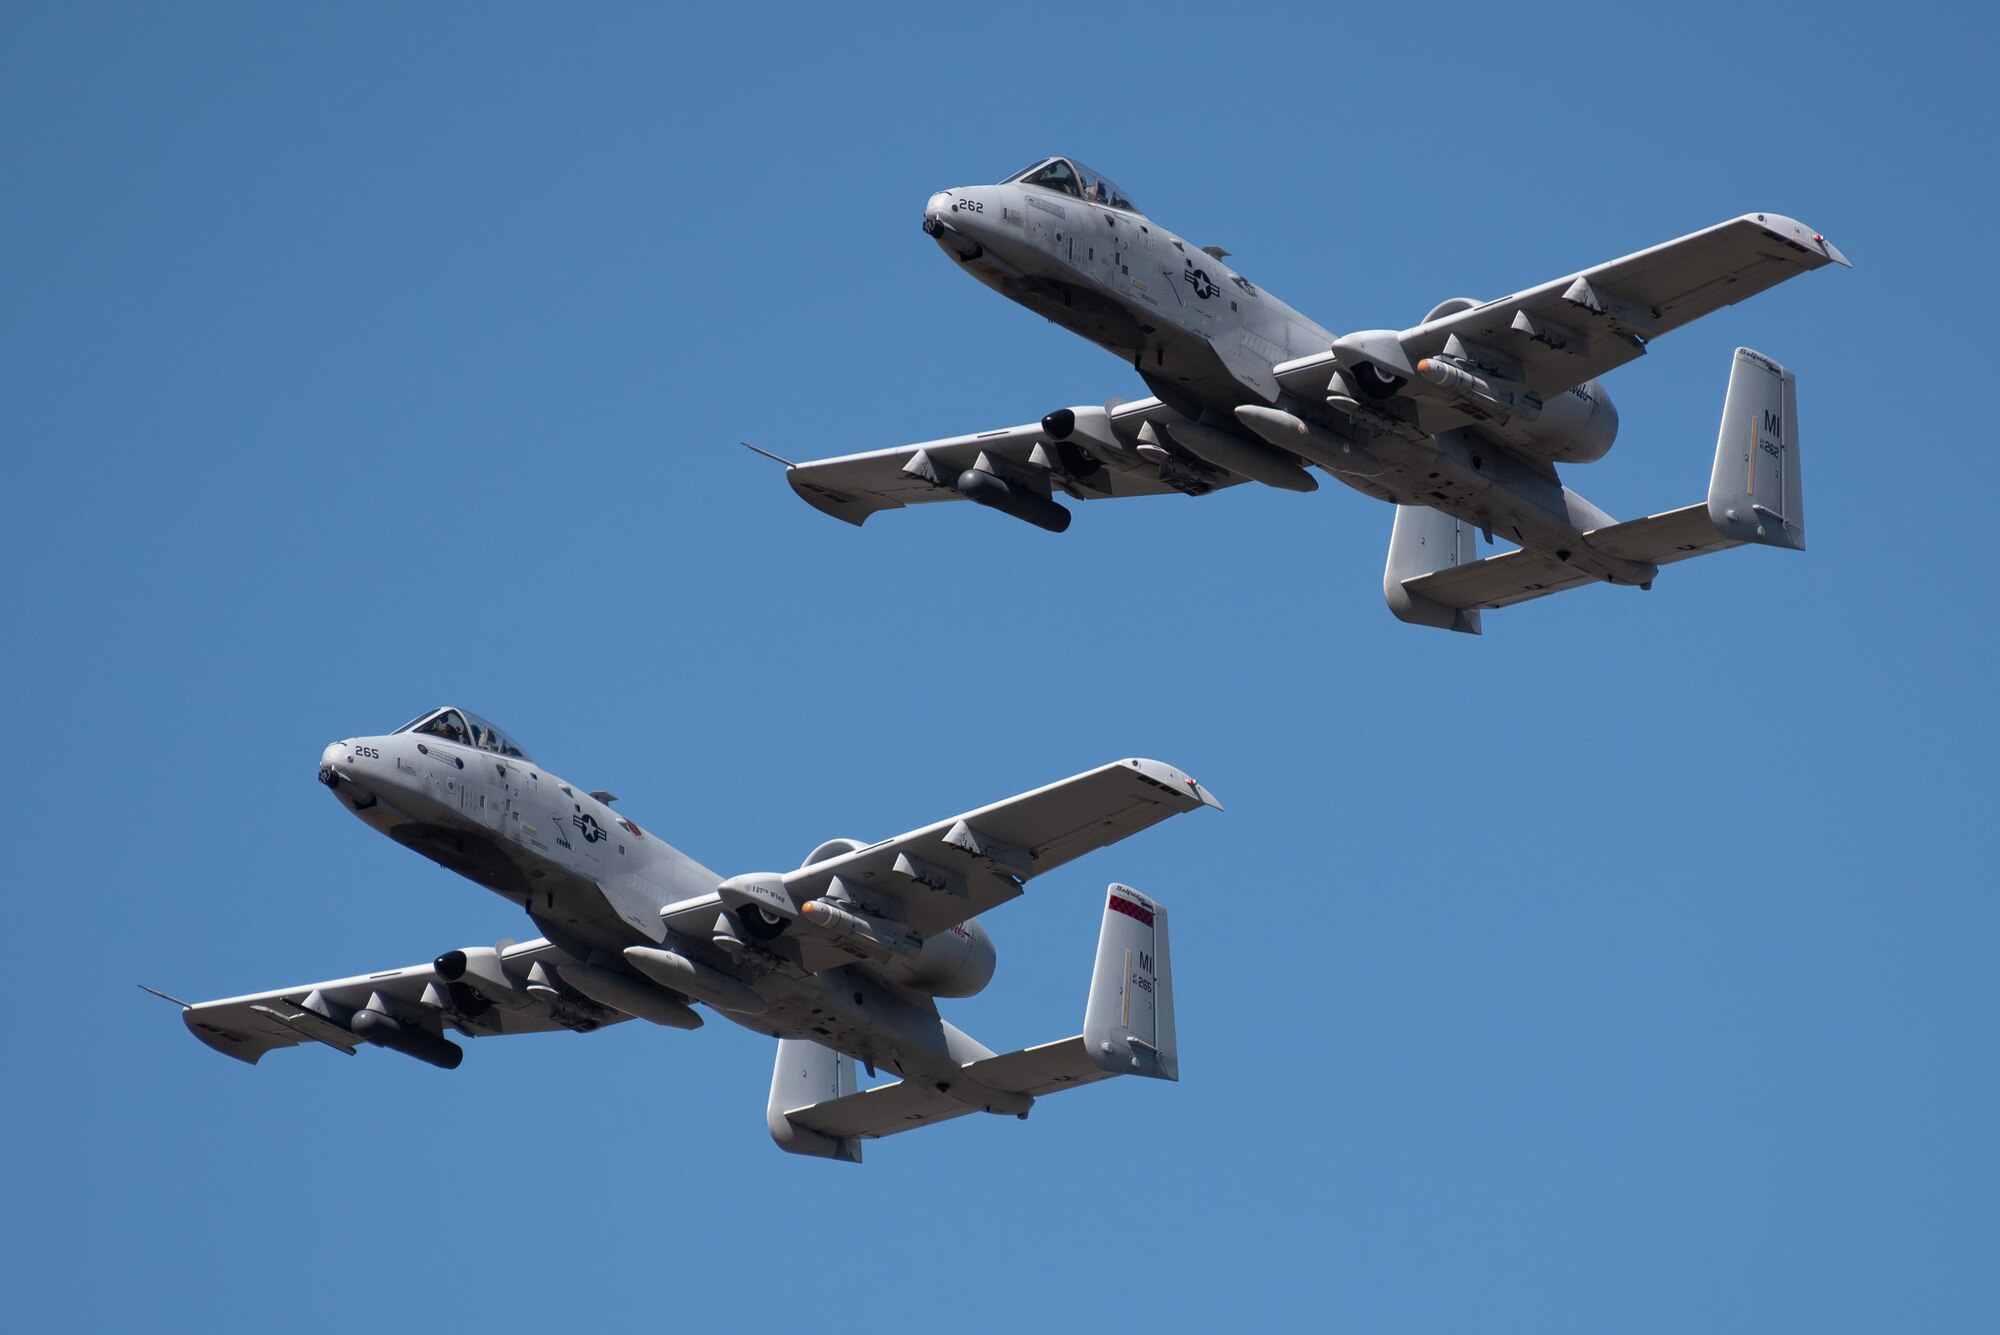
x=476, y=856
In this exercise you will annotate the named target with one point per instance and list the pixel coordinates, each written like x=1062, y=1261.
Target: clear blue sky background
x=1630, y=968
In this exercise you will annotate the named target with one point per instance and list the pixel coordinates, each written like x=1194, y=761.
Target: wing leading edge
x=505, y=991
x=853, y=487
x=962, y=866
x=1564, y=332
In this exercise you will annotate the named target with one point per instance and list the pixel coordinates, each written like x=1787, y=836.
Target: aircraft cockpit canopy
x=467, y=729
x=1067, y=176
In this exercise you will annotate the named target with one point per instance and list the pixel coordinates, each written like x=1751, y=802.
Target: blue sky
x=1628, y=968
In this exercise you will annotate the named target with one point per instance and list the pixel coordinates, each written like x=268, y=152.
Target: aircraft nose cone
x=328, y=760
x=935, y=209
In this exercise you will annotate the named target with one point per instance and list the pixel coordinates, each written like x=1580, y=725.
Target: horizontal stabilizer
x=1498, y=581
x=906, y=1105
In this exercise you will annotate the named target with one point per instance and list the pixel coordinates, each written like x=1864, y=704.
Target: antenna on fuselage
x=184, y=1005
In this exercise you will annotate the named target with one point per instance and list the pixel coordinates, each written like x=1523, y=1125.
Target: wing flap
x=953, y=869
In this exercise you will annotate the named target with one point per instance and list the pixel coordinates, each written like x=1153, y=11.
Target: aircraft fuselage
x=598, y=885
x=1200, y=334
x=1206, y=342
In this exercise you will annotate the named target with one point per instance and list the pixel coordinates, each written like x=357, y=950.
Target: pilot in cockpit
x=447, y=726
x=1075, y=179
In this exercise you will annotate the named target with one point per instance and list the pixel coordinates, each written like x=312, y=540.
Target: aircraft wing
x=1580, y=326
x=416, y=997
x=854, y=486
x=955, y=868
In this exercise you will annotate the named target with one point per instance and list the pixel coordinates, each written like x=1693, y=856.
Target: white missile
x=859, y=927
x=1504, y=395
x=1244, y=457
x=1316, y=443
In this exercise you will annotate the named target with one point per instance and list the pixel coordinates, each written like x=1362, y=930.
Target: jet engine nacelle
x=1576, y=426
x=760, y=904
x=833, y=848
x=957, y=962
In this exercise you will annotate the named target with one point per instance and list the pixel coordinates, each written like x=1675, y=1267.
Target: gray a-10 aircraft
x=840, y=960
x=1459, y=421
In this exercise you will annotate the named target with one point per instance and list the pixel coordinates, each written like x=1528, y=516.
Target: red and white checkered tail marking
x=1128, y=1027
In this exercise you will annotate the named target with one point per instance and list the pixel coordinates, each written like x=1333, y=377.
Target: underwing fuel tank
x=1316, y=443
x=630, y=995
x=1242, y=457
x=670, y=968
x=996, y=493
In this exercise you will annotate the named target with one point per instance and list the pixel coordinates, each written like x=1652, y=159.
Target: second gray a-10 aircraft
x=1459, y=421
x=841, y=960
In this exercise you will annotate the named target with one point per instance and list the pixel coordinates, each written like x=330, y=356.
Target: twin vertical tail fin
x=806, y=1075
x=1128, y=1024
x=1754, y=493
x=1426, y=542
